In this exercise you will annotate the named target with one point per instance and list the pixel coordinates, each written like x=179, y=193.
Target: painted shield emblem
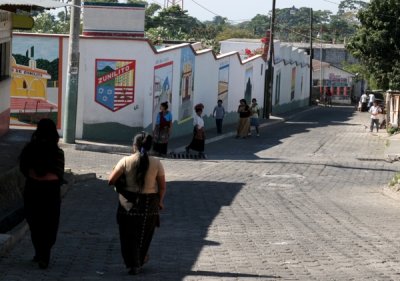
x=115, y=83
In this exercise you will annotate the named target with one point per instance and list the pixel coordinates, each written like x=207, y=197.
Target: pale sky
x=240, y=10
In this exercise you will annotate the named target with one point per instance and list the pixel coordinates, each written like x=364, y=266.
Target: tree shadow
x=192, y=206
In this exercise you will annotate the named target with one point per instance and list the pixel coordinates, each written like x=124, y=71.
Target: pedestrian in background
x=328, y=97
x=198, y=138
x=42, y=163
x=371, y=99
x=364, y=99
x=375, y=110
x=244, y=119
x=162, y=130
x=219, y=114
x=359, y=106
x=139, y=201
x=255, y=113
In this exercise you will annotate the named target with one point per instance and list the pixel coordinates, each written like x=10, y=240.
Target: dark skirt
x=198, y=140
x=161, y=148
x=136, y=226
x=197, y=145
x=42, y=202
x=160, y=139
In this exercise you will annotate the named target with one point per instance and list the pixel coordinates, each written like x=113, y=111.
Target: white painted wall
x=286, y=57
x=140, y=113
x=114, y=18
x=5, y=37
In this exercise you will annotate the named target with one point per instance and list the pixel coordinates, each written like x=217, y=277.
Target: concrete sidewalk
x=392, y=150
x=175, y=145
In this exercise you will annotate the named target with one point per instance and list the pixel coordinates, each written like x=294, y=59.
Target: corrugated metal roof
x=11, y=5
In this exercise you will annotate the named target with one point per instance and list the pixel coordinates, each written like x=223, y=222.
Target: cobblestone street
x=301, y=202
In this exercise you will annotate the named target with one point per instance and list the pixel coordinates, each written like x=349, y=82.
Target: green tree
x=377, y=42
x=234, y=32
x=137, y=2
x=219, y=21
x=351, y=6
x=48, y=23
x=176, y=21
x=293, y=24
x=259, y=24
x=152, y=9
x=21, y=59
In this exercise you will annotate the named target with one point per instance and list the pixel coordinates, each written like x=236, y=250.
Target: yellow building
x=28, y=81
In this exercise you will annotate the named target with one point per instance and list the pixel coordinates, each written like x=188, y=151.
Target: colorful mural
x=223, y=83
x=115, y=83
x=187, y=84
x=248, y=79
x=162, y=87
x=35, y=92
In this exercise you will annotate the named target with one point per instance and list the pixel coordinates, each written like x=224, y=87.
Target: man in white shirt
x=363, y=100
x=371, y=99
x=374, y=110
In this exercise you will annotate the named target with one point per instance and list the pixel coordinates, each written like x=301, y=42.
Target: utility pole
x=311, y=56
x=71, y=99
x=269, y=72
x=321, y=89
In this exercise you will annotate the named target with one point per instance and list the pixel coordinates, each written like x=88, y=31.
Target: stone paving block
x=294, y=204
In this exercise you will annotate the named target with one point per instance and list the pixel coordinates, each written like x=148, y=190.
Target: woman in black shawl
x=42, y=164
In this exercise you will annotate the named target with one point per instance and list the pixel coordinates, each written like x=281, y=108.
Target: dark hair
x=198, y=107
x=42, y=153
x=219, y=100
x=46, y=131
x=164, y=104
x=254, y=100
x=143, y=142
x=243, y=100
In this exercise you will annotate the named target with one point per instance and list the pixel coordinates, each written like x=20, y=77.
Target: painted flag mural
x=115, y=83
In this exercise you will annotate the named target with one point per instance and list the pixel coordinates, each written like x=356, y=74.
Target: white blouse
x=197, y=120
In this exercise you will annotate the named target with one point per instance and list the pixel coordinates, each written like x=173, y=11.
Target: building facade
x=5, y=69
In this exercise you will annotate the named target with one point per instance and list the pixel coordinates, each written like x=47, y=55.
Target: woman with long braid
x=139, y=201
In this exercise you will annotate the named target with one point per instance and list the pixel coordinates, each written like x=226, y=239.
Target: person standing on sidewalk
x=199, y=136
x=218, y=114
x=375, y=110
x=244, y=119
x=255, y=113
x=364, y=104
x=328, y=97
x=371, y=99
x=139, y=201
x=42, y=163
x=162, y=130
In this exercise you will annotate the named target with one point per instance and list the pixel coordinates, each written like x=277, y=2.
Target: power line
x=301, y=34
x=332, y=2
x=205, y=8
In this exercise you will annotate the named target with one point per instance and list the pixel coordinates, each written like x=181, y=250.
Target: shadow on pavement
x=88, y=248
x=191, y=209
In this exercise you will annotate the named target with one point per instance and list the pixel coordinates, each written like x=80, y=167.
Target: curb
x=127, y=149
x=9, y=239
